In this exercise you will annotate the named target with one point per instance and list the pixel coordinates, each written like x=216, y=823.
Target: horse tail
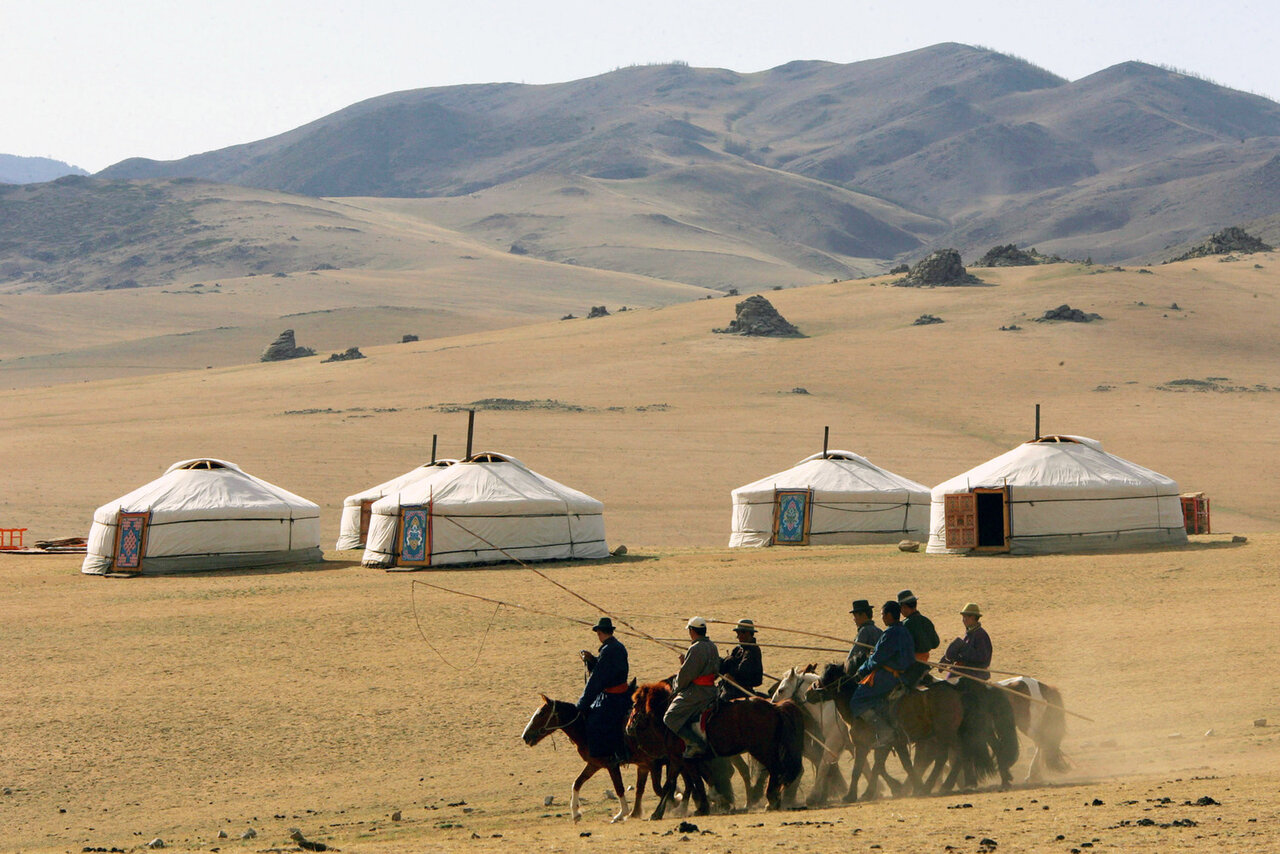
x=1051, y=731
x=789, y=741
x=1005, y=736
x=975, y=736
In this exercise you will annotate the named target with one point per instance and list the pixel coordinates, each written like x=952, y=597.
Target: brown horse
x=555, y=715
x=773, y=733
x=930, y=719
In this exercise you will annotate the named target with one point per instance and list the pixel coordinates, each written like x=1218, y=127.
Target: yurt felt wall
x=1057, y=494
x=201, y=515
x=487, y=508
x=850, y=501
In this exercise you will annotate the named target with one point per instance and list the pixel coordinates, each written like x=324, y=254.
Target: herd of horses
x=973, y=733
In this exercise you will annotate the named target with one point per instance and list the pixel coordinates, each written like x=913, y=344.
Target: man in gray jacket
x=695, y=688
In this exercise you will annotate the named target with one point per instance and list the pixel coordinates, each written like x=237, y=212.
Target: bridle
x=548, y=727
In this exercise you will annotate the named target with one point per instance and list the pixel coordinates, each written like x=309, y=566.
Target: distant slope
x=33, y=170
x=979, y=148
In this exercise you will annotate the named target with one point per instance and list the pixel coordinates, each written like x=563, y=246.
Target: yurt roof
x=490, y=483
x=838, y=472
x=1060, y=465
x=399, y=482
x=206, y=488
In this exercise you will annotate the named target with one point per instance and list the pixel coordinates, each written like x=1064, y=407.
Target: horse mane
x=652, y=696
x=831, y=674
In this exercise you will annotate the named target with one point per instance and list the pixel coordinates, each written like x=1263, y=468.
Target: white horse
x=1037, y=708
x=826, y=735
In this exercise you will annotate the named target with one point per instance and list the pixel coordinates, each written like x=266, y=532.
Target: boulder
x=1066, y=312
x=927, y=319
x=1225, y=242
x=942, y=267
x=757, y=316
x=350, y=354
x=408, y=339
x=283, y=348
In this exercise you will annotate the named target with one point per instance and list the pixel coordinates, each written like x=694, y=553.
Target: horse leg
x=821, y=777
x=957, y=761
x=859, y=765
x=642, y=777
x=615, y=774
x=913, y=783
x=575, y=808
x=673, y=775
x=740, y=766
x=1036, y=769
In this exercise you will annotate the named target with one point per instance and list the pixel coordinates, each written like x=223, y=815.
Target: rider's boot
x=884, y=732
x=695, y=746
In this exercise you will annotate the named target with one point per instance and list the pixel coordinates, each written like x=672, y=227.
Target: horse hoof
x=617, y=819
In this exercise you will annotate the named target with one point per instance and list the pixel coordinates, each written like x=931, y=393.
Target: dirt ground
x=327, y=699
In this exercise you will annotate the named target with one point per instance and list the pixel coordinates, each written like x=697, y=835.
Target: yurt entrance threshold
x=978, y=519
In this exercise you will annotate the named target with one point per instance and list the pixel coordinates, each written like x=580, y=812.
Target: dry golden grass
x=179, y=706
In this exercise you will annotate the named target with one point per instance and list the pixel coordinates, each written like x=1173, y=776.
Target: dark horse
x=929, y=718
x=773, y=733
x=555, y=715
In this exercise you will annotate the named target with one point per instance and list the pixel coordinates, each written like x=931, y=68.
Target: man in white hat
x=743, y=665
x=695, y=688
x=972, y=651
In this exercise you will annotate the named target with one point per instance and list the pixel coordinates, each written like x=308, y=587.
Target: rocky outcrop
x=597, y=311
x=408, y=339
x=940, y=268
x=1066, y=312
x=351, y=354
x=926, y=320
x=283, y=348
x=757, y=316
x=1225, y=242
x=1009, y=255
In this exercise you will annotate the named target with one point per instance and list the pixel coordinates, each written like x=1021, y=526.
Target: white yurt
x=1055, y=494
x=489, y=507
x=357, y=510
x=199, y=515
x=835, y=497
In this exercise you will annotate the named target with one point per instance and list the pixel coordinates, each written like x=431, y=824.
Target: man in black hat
x=881, y=673
x=868, y=634
x=743, y=665
x=606, y=700
x=923, y=635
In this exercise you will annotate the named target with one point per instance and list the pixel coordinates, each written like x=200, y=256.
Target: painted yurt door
x=131, y=541
x=415, y=536
x=792, y=514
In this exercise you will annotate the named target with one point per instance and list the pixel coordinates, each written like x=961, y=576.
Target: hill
x=947, y=145
x=33, y=170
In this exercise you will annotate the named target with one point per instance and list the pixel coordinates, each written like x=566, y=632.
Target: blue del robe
x=895, y=649
x=606, y=713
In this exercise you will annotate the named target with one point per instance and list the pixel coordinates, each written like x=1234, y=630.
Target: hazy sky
x=94, y=82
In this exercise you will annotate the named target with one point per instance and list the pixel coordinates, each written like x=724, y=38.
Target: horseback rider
x=868, y=634
x=743, y=665
x=923, y=635
x=695, y=688
x=606, y=699
x=972, y=651
x=881, y=673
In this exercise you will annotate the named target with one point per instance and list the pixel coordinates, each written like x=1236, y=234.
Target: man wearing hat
x=695, y=688
x=881, y=673
x=972, y=651
x=606, y=700
x=868, y=634
x=923, y=634
x=744, y=665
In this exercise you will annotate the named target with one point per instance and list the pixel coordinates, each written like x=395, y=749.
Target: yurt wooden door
x=978, y=520
x=792, y=516
x=366, y=516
